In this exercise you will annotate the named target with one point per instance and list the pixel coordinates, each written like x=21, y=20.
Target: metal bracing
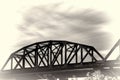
x=51, y=53
x=114, y=47
x=58, y=59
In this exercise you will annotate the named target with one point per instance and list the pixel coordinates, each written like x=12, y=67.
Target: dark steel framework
x=61, y=59
x=52, y=53
x=111, y=51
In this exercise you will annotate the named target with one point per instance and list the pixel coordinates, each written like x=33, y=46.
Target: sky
x=90, y=22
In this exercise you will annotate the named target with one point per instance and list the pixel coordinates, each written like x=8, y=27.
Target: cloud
x=48, y=22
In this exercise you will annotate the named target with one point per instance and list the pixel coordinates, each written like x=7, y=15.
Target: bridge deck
x=108, y=68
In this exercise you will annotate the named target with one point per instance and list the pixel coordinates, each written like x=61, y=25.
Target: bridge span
x=55, y=59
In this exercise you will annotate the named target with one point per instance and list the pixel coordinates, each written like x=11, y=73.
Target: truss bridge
x=55, y=59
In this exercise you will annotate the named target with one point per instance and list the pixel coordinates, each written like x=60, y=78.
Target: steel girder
x=52, y=53
x=113, y=48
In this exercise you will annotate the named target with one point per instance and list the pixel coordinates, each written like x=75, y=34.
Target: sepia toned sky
x=90, y=22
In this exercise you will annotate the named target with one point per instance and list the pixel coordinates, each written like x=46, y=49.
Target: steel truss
x=58, y=59
x=52, y=53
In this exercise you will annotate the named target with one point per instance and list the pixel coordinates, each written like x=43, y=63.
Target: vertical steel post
x=36, y=56
x=65, y=53
x=23, y=58
x=51, y=53
x=76, y=53
x=81, y=55
x=11, y=63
